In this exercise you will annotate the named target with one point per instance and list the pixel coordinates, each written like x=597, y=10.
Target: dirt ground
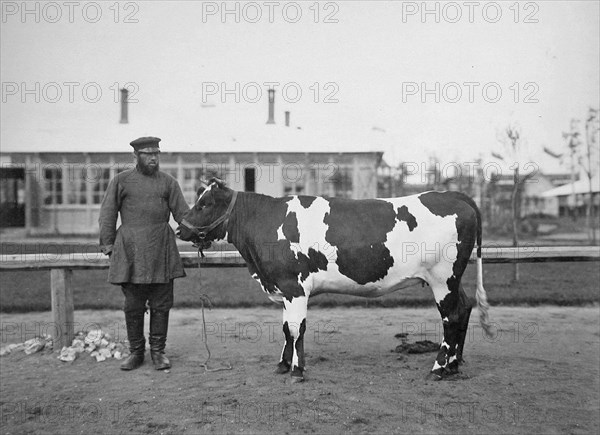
x=539, y=374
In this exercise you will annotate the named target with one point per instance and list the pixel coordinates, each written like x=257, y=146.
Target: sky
x=440, y=79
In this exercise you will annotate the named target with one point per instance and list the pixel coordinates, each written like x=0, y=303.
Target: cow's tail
x=480, y=294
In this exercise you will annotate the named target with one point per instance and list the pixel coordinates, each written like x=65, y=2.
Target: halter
x=202, y=232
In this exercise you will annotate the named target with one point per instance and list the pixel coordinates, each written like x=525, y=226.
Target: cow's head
x=207, y=219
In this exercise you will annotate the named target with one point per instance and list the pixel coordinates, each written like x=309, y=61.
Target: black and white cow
x=299, y=246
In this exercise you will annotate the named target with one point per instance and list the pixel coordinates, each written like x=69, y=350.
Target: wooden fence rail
x=61, y=266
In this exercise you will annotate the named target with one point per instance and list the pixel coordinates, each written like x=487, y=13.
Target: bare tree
x=513, y=143
x=573, y=141
x=585, y=160
x=591, y=140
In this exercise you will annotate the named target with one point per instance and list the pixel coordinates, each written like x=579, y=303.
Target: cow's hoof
x=297, y=379
x=282, y=368
x=452, y=368
x=449, y=373
x=297, y=375
x=436, y=375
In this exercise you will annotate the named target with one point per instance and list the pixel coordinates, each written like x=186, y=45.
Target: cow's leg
x=294, y=327
x=288, y=347
x=465, y=306
x=448, y=303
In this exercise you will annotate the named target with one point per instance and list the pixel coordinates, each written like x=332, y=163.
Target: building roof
x=95, y=127
x=578, y=187
x=536, y=176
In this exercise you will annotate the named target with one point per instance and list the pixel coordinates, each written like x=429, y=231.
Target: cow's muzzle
x=195, y=235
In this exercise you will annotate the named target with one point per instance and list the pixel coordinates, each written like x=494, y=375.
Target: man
x=144, y=258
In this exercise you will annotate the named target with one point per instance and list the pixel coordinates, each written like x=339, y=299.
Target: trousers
x=158, y=296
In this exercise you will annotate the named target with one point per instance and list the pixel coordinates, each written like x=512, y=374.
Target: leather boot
x=159, y=324
x=137, y=342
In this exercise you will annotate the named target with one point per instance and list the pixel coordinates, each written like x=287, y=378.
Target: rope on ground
x=204, y=298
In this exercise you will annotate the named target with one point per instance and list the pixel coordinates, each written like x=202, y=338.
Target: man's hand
x=106, y=250
x=202, y=244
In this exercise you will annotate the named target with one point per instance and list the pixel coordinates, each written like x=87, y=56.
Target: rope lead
x=204, y=298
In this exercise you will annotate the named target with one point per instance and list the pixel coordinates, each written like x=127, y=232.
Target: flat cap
x=146, y=144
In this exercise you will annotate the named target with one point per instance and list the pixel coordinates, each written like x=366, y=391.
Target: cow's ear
x=220, y=183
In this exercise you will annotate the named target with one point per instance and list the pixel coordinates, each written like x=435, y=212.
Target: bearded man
x=144, y=258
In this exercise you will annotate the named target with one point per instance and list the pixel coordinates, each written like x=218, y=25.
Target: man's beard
x=147, y=169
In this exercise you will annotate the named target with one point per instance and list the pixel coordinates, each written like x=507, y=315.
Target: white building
x=574, y=197
x=56, y=166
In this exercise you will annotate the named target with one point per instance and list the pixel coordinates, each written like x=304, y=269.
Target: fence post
x=62, y=307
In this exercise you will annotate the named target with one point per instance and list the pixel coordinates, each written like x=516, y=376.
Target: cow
x=300, y=246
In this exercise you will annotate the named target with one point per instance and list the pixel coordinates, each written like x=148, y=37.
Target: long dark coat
x=143, y=247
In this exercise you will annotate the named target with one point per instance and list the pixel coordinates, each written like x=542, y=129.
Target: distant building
x=572, y=199
x=47, y=188
x=533, y=201
x=492, y=195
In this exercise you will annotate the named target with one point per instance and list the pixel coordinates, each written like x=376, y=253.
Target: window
x=293, y=179
x=100, y=184
x=53, y=193
x=342, y=182
x=80, y=181
x=321, y=178
x=293, y=188
x=75, y=190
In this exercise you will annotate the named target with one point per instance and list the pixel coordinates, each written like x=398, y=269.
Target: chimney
x=271, y=119
x=287, y=118
x=124, y=99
